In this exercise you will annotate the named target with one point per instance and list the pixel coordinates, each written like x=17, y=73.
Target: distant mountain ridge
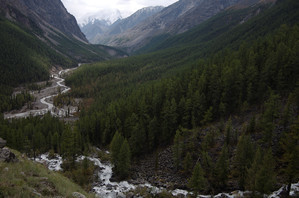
x=107, y=15
x=175, y=19
x=100, y=31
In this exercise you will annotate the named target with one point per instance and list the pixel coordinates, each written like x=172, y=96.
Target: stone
x=78, y=195
x=7, y=156
x=2, y=143
x=130, y=195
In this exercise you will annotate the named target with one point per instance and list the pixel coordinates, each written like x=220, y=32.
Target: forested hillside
x=253, y=68
x=28, y=54
x=23, y=59
x=221, y=30
x=223, y=97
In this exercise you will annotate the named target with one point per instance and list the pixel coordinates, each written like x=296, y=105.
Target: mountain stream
x=104, y=187
x=45, y=98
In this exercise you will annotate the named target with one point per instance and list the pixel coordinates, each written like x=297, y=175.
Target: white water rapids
x=108, y=189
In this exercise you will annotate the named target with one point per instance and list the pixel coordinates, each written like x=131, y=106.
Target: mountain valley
x=197, y=99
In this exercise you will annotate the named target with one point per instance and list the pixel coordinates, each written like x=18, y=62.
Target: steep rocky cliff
x=45, y=14
x=49, y=21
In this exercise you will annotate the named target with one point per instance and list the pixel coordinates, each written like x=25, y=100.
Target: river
x=106, y=188
x=45, y=97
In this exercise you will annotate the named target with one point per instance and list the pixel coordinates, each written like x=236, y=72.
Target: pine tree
x=187, y=163
x=115, y=147
x=153, y=130
x=228, y=132
x=267, y=120
x=208, y=117
x=124, y=160
x=243, y=158
x=177, y=149
x=290, y=158
x=222, y=168
x=252, y=171
x=68, y=144
x=197, y=181
x=138, y=139
x=265, y=178
x=55, y=142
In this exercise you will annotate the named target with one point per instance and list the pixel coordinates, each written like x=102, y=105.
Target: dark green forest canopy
x=143, y=102
x=23, y=59
x=174, y=87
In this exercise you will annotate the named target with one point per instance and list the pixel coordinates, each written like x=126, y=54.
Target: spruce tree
x=115, y=147
x=177, y=149
x=265, y=178
x=267, y=119
x=290, y=158
x=124, y=160
x=197, y=181
x=243, y=158
x=251, y=183
x=222, y=168
x=228, y=132
x=208, y=117
x=187, y=163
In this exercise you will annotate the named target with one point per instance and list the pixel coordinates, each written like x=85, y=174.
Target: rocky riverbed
x=44, y=99
x=104, y=187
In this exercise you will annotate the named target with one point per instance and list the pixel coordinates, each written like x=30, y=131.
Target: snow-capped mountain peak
x=107, y=15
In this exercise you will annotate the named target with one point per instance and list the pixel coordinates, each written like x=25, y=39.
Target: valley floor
x=44, y=98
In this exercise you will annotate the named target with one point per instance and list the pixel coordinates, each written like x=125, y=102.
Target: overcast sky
x=79, y=8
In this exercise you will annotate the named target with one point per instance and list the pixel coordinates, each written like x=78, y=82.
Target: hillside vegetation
x=23, y=59
x=227, y=104
x=147, y=98
x=29, y=179
x=26, y=59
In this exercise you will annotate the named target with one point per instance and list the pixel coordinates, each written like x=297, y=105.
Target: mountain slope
x=247, y=70
x=223, y=22
x=26, y=178
x=122, y=75
x=24, y=58
x=43, y=13
x=52, y=24
x=31, y=46
x=101, y=31
x=176, y=18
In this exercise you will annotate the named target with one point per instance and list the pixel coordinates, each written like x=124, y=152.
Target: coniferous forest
x=227, y=105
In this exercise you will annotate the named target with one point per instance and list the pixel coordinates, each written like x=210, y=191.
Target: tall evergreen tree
x=243, y=158
x=177, y=149
x=251, y=180
x=222, y=168
x=124, y=160
x=267, y=120
x=266, y=178
x=290, y=145
x=187, y=163
x=115, y=147
x=208, y=116
x=197, y=181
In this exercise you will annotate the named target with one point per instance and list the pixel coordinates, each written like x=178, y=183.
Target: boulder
x=78, y=195
x=7, y=156
x=2, y=143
